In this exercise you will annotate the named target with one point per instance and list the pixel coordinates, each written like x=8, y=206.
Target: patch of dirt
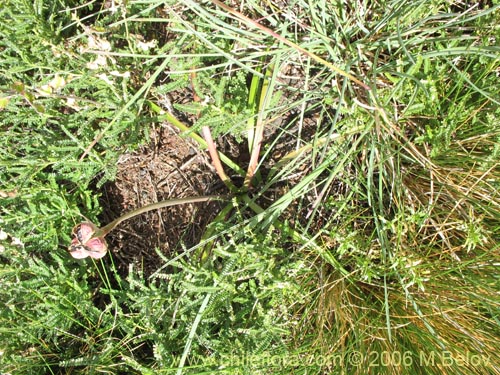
x=169, y=167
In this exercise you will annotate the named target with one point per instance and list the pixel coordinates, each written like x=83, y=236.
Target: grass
x=364, y=238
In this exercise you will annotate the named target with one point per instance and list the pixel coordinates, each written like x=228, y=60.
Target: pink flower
x=84, y=244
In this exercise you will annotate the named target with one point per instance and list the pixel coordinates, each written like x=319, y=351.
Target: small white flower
x=72, y=103
x=97, y=63
x=100, y=44
x=145, y=46
x=16, y=242
x=118, y=74
x=105, y=78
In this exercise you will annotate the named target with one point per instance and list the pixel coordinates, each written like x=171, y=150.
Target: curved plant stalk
x=214, y=155
x=88, y=239
x=207, y=135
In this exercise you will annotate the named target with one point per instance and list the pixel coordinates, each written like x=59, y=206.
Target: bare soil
x=172, y=166
x=169, y=167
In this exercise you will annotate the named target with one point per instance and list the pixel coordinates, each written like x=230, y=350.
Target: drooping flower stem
x=88, y=240
x=154, y=206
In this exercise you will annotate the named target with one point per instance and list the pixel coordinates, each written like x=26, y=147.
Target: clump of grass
x=418, y=231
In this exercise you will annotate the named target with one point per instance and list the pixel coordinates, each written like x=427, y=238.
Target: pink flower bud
x=84, y=245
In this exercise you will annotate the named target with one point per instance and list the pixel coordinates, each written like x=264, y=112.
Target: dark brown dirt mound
x=169, y=167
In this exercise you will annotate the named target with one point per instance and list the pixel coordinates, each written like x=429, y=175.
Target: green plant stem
x=258, y=132
x=154, y=206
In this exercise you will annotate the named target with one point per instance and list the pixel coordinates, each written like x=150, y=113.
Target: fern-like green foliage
x=226, y=111
x=44, y=311
x=247, y=280
x=380, y=236
x=63, y=123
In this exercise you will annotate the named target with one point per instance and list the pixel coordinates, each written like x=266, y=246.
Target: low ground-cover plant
x=361, y=235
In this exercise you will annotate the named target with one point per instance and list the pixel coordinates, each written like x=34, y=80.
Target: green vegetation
x=364, y=240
